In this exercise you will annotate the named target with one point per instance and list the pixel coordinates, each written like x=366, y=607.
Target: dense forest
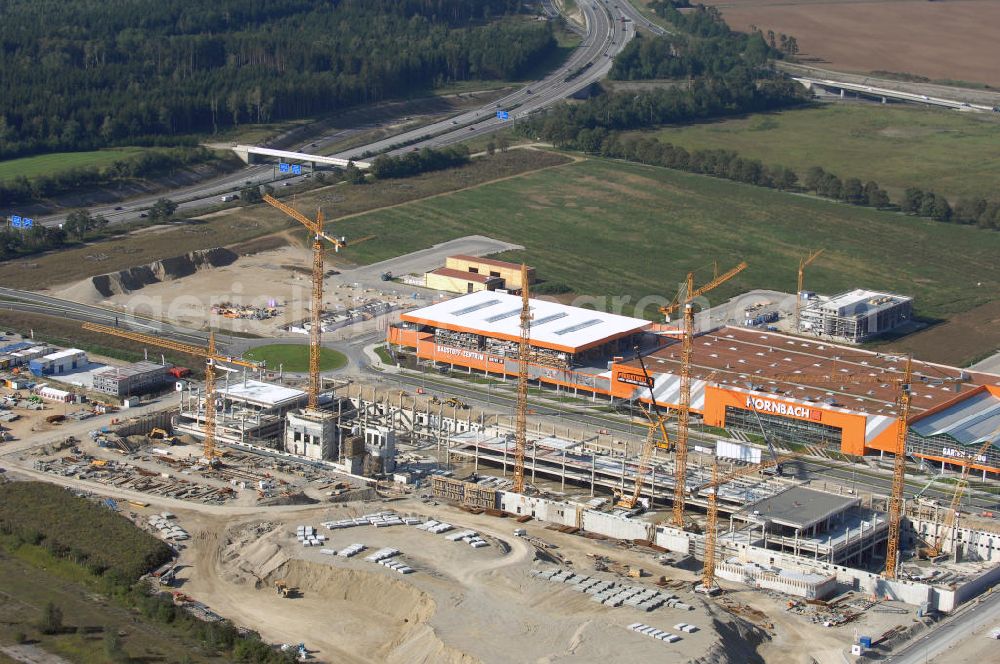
x=81, y=74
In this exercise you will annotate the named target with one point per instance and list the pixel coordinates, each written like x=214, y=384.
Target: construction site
x=699, y=532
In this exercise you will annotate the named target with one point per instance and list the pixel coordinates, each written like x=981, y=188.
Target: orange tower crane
x=315, y=227
x=902, y=383
x=523, y=349
x=686, y=299
x=210, y=357
x=803, y=264
x=956, y=498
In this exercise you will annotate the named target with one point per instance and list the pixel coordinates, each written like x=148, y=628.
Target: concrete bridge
x=248, y=152
x=886, y=94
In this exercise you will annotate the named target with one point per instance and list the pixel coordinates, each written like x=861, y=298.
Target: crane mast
x=523, y=349
x=708, y=572
x=898, y=472
x=684, y=413
x=803, y=264
x=684, y=407
x=315, y=227
x=211, y=357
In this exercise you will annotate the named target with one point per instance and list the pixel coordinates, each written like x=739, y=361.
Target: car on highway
x=119, y=207
x=472, y=128
x=143, y=215
x=528, y=91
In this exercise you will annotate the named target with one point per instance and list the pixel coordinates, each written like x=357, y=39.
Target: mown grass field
x=954, y=154
x=295, y=357
x=609, y=228
x=47, y=164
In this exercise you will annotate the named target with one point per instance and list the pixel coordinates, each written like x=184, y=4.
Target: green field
x=47, y=164
x=609, y=228
x=295, y=357
x=950, y=153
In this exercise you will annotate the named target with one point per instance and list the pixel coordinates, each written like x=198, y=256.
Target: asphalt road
x=603, y=38
x=948, y=634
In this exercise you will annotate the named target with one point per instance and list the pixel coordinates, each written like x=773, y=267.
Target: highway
x=602, y=39
x=950, y=633
x=606, y=34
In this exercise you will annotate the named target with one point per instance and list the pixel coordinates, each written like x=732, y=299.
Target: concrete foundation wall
x=542, y=509
x=973, y=543
x=762, y=579
x=619, y=527
x=142, y=425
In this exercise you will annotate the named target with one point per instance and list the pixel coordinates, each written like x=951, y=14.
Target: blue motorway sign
x=503, y=115
x=27, y=223
x=296, y=169
x=283, y=168
x=15, y=221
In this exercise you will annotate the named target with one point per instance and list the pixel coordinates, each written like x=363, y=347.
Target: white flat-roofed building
x=855, y=316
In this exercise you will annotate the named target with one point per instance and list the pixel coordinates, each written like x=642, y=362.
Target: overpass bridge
x=248, y=152
x=885, y=94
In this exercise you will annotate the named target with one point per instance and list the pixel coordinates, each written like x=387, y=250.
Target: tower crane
x=803, y=264
x=523, y=348
x=211, y=358
x=686, y=300
x=903, y=396
x=963, y=483
x=315, y=227
x=655, y=424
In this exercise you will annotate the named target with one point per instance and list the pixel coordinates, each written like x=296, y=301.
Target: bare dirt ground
x=279, y=276
x=960, y=340
x=466, y=605
x=462, y=604
x=953, y=40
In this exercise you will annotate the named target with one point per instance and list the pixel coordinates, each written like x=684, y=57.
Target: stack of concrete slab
x=352, y=550
x=397, y=566
x=382, y=554
x=435, y=527
x=646, y=630
x=611, y=593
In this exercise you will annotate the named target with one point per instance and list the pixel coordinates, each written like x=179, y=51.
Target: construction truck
x=456, y=403
x=283, y=589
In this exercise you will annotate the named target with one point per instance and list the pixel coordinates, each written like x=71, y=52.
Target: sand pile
x=400, y=611
x=250, y=554
x=124, y=282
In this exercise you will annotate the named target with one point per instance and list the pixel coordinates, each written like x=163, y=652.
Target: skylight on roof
x=579, y=326
x=506, y=314
x=549, y=319
x=475, y=307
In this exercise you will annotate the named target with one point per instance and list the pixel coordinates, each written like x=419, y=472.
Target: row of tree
x=144, y=164
x=81, y=74
x=419, y=161
x=731, y=166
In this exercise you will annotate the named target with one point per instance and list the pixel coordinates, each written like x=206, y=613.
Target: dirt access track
x=954, y=40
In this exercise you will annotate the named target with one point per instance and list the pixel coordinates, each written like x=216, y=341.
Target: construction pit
x=487, y=604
